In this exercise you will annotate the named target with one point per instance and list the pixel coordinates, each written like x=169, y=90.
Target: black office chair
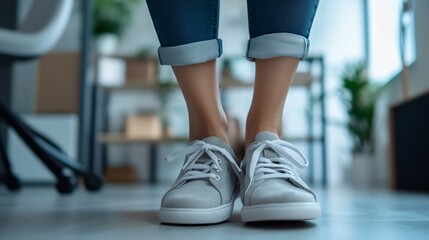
x=39, y=32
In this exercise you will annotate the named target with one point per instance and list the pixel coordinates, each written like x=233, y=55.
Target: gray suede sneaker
x=272, y=189
x=207, y=186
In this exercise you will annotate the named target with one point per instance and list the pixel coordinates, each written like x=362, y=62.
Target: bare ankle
x=201, y=129
x=255, y=126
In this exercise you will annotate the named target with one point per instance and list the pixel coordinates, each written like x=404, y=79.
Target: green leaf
x=359, y=96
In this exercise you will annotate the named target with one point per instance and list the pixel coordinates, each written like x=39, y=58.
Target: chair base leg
x=66, y=184
x=93, y=183
x=11, y=181
x=60, y=164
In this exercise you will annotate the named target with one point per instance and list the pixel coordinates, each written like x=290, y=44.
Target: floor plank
x=130, y=212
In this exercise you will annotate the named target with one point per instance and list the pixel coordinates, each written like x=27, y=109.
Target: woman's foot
x=207, y=186
x=272, y=189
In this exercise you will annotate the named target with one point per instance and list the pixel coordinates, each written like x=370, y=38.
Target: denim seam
x=249, y=19
x=215, y=19
x=159, y=56
x=298, y=41
x=166, y=58
x=195, y=62
x=304, y=55
x=220, y=47
x=247, y=52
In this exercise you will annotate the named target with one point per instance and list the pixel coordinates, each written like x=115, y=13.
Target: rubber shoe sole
x=194, y=216
x=280, y=212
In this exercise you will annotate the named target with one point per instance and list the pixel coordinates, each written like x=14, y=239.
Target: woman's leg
x=201, y=92
x=279, y=39
x=272, y=80
x=273, y=189
x=188, y=33
x=204, y=191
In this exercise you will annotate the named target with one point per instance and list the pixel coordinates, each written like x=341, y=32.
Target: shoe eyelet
x=218, y=160
x=217, y=177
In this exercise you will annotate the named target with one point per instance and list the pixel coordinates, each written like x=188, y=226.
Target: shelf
x=302, y=139
x=301, y=79
x=122, y=138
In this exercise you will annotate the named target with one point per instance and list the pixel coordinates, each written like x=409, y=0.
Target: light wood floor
x=130, y=212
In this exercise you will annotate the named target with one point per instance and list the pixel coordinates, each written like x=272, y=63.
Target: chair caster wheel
x=93, y=183
x=13, y=183
x=66, y=184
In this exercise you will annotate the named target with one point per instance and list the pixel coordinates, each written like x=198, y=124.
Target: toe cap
x=279, y=191
x=192, y=197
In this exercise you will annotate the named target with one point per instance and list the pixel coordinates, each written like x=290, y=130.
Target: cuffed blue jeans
x=188, y=29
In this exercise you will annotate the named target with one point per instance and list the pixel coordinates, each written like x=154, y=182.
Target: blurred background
x=339, y=111
x=85, y=105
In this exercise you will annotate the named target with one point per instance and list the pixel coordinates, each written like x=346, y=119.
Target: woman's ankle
x=202, y=129
x=255, y=126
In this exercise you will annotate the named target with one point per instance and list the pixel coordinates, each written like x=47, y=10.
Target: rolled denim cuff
x=190, y=53
x=277, y=45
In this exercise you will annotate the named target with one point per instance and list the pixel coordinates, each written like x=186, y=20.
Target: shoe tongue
x=266, y=136
x=203, y=159
x=215, y=141
x=218, y=142
x=198, y=182
x=269, y=153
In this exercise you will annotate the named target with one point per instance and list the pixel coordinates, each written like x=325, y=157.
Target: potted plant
x=110, y=19
x=359, y=96
x=227, y=70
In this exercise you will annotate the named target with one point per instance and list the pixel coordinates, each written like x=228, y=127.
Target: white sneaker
x=272, y=189
x=207, y=186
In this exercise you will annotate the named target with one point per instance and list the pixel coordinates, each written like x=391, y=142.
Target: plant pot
x=362, y=169
x=107, y=43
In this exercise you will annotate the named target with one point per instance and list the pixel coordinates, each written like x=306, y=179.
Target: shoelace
x=277, y=167
x=201, y=170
